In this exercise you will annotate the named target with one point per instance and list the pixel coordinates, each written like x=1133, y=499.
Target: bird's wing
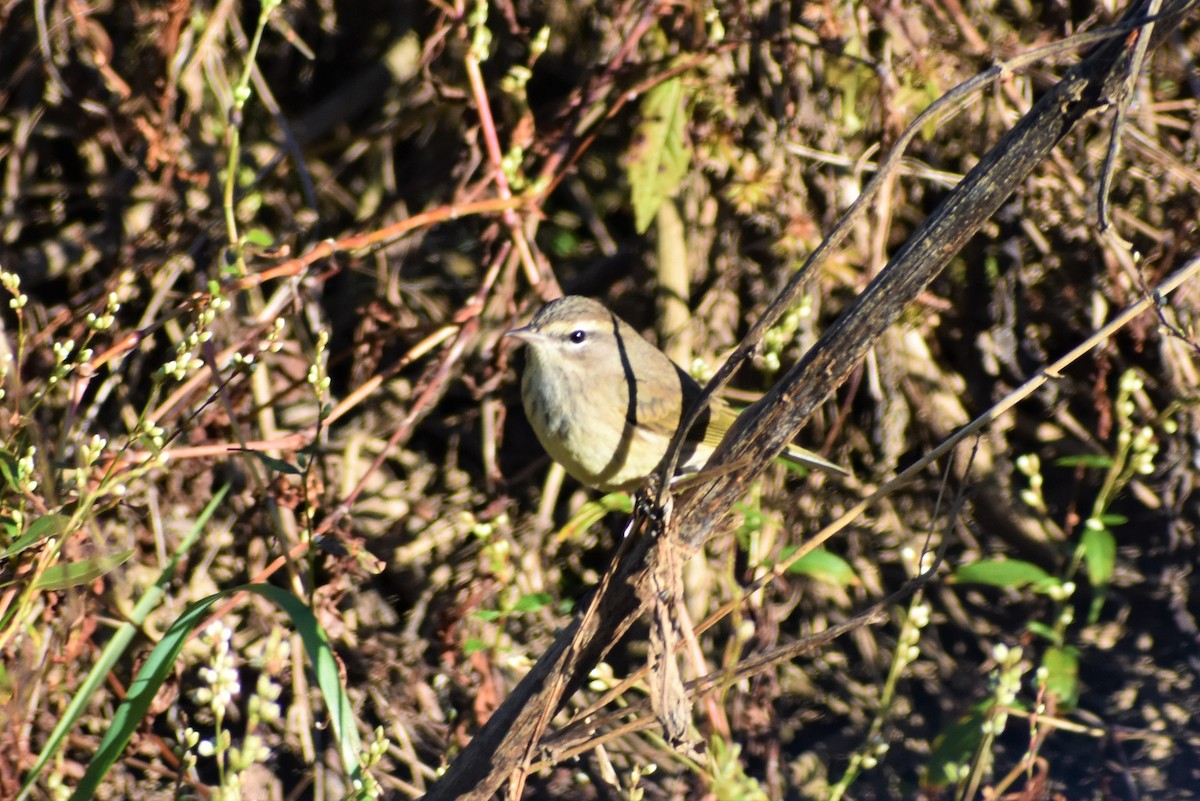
x=723, y=415
x=656, y=410
x=713, y=422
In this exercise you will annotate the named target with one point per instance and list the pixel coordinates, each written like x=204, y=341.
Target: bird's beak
x=525, y=334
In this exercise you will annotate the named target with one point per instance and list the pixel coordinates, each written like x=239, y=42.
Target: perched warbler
x=605, y=403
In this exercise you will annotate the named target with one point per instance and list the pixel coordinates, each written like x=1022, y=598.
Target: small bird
x=605, y=403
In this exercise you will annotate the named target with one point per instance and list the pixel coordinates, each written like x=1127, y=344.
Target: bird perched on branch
x=605, y=403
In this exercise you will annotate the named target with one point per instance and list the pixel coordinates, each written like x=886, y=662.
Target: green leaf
x=72, y=574
x=752, y=518
x=659, y=155
x=593, y=512
x=45, y=526
x=1062, y=675
x=161, y=661
x=1044, y=631
x=825, y=566
x=1005, y=573
x=8, y=469
x=486, y=615
x=532, y=602
x=564, y=243
x=1100, y=557
x=473, y=645
x=1087, y=460
x=954, y=747
x=1099, y=554
x=259, y=237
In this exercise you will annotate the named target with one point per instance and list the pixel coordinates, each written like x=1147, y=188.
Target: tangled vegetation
x=272, y=522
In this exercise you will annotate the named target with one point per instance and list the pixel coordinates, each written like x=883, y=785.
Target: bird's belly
x=598, y=454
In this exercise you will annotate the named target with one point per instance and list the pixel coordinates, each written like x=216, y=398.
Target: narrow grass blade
x=161, y=662
x=117, y=645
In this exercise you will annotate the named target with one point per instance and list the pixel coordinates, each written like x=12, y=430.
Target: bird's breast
x=583, y=419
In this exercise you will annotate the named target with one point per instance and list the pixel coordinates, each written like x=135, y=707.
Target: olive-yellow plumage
x=605, y=403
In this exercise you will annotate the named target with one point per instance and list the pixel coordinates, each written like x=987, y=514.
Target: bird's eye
x=578, y=336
